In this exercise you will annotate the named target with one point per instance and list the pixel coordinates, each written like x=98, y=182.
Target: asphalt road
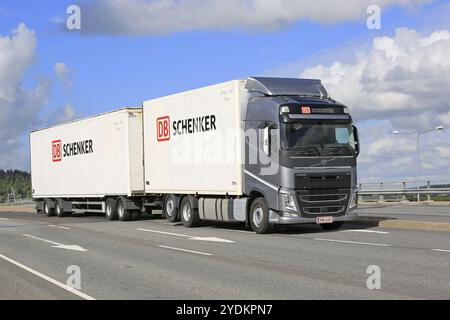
x=436, y=213
x=154, y=259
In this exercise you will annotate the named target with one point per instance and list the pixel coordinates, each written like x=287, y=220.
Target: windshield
x=318, y=138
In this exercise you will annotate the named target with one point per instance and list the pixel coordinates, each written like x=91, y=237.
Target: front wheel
x=259, y=216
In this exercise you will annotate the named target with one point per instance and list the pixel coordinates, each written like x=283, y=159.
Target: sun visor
x=287, y=86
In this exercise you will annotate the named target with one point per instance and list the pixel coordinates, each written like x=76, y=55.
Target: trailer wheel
x=122, y=212
x=259, y=216
x=170, y=209
x=110, y=209
x=47, y=210
x=189, y=215
x=332, y=226
x=59, y=208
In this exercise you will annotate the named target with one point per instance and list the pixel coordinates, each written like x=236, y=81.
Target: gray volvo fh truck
x=263, y=151
x=316, y=145
x=294, y=154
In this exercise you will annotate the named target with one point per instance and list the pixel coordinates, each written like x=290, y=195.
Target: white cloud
x=401, y=82
x=150, y=17
x=385, y=156
x=404, y=78
x=19, y=107
x=62, y=72
x=59, y=115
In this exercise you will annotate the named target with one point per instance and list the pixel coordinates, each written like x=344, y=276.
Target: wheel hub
x=258, y=216
x=186, y=212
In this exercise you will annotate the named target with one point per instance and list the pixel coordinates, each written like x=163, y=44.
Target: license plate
x=323, y=220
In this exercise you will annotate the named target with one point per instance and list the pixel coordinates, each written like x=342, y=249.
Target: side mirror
x=356, y=136
x=266, y=142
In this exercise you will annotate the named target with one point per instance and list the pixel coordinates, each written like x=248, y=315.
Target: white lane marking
x=163, y=232
x=242, y=231
x=60, y=227
x=53, y=281
x=211, y=239
x=58, y=245
x=365, y=231
x=184, y=250
x=4, y=219
x=441, y=250
x=354, y=242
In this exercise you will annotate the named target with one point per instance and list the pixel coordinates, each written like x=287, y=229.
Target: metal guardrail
x=402, y=190
x=17, y=203
x=405, y=191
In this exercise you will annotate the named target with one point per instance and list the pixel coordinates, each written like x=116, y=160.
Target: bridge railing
x=404, y=191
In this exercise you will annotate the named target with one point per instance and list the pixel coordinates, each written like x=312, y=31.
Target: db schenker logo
x=163, y=128
x=56, y=151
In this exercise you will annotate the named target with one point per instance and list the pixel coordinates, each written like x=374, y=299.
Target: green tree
x=17, y=179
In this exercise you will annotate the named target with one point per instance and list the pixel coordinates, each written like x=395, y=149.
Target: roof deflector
x=287, y=86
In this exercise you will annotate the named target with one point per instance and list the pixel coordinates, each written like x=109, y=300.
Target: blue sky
x=124, y=70
x=110, y=70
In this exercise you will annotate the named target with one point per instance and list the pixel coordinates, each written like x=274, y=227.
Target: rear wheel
x=170, y=209
x=122, y=212
x=332, y=226
x=47, y=208
x=189, y=215
x=110, y=209
x=259, y=216
x=59, y=208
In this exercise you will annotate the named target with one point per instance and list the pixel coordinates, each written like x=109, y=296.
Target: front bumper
x=276, y=218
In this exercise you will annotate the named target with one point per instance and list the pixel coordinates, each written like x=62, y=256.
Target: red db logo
x=162, y=128
x=306, y=109
x=56, y=150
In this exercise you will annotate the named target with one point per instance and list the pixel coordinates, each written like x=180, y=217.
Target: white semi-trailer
x=89, y=164
x=263, y=151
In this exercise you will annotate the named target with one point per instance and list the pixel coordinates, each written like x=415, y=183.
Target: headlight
x=288, y=202
x=354, y=199
x=284, y=109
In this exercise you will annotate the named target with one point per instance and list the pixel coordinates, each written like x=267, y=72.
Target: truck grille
x=316, y=181
x=318, y=202
x=323, y=198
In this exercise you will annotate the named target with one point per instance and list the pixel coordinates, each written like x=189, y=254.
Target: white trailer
x=193, y=142
x=78, y=166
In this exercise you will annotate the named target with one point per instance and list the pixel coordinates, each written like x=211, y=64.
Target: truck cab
x=307, y=145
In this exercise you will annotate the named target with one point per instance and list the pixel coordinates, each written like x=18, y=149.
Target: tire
x=332, y=226
x=122, y=213
x=49, y=212
x=189, y=215
x=170, y=209
x=259, y=216
x=110, y=209
x=59, y=208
